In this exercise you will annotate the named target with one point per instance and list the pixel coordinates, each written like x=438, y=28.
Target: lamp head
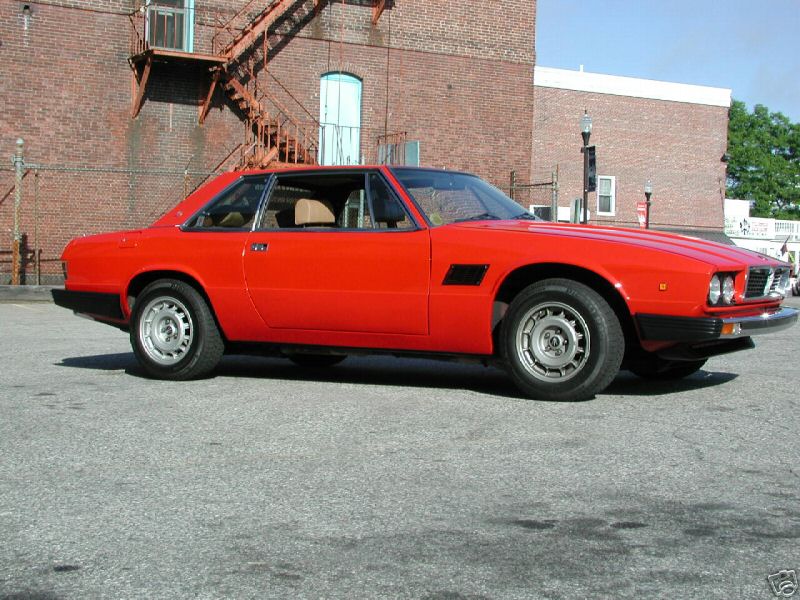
x=586, y=122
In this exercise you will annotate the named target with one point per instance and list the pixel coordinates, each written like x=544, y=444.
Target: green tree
x=764, y=161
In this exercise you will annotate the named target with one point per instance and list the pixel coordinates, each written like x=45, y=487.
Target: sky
x=748, y=46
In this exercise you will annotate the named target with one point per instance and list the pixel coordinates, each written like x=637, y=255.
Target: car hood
x=705, y=251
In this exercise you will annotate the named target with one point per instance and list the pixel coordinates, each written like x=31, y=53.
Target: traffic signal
x=591, y=176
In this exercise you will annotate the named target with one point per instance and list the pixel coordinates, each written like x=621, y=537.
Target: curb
x=26, y=293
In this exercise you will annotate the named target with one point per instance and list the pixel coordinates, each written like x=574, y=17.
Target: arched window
x=340, y=119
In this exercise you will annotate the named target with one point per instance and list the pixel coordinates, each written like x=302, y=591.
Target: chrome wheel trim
x=553, y=342
x=166, y=330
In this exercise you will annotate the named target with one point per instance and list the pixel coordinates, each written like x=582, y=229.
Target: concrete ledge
x=26, y=293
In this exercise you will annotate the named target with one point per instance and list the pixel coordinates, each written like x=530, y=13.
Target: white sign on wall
x=750, y=227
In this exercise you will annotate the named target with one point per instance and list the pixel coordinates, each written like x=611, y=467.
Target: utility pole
x=16, y=261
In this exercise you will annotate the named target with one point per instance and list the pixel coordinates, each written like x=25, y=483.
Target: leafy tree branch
x=764, y=161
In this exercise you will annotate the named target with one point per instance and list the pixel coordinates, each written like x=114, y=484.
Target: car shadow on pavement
x=628, y=384
x=102, y=362
x=400, y=372
x=374, y=370
x=381, y=371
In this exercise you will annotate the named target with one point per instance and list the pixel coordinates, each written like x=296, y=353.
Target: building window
x=340, y=119
x=170, y=24
x=400, y=153
x=606, y=195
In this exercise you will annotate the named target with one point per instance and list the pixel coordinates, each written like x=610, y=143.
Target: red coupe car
x=318, y=263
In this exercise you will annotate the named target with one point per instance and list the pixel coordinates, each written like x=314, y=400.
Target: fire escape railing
x=392, y=148
x=245, y=16
x=159, y=26
x=272, y=134
x=138, y=37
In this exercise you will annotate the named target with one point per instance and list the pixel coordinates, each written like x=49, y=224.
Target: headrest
x=313, y=212
x=232, y=219
x=386, y=210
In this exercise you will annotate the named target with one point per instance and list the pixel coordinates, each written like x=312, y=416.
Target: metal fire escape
x=272, y=133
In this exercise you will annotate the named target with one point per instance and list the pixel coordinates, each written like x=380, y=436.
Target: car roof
x=310, y=168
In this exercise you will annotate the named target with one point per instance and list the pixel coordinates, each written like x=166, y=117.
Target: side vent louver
x=465, y=274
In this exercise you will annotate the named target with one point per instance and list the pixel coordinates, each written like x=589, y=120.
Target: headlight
x=722, y=289
x=727, y=289
x=714, y=290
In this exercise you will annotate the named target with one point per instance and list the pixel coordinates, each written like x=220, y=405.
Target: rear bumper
x=101, y=306
x=660, y=328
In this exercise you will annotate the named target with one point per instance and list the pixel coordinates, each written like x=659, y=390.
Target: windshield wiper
x=481, y=217
x=526, y=216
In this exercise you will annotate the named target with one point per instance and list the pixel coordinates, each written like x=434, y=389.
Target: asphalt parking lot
x=385, y=478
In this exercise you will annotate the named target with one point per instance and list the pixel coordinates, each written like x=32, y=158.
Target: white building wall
x=767, y=236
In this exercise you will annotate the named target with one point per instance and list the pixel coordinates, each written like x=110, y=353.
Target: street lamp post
x=586, y=132
x=648, y=191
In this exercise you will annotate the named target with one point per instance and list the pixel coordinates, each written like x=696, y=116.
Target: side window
x=387, y=210
x=281, y=206
x=235, y=208
x=334, y=200
x=356, y=211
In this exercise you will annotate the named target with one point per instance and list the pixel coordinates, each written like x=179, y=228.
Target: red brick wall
x=455, y=74
x=677, y=145
x=467, y=113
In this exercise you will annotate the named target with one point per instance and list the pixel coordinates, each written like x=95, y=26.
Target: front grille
x=763, y=281
x=757, y=281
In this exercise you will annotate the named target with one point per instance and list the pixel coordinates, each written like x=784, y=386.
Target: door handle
x=256, y=247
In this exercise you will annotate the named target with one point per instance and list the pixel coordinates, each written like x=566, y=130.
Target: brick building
x=444, y=83
x=673, y=134
x=127, y=105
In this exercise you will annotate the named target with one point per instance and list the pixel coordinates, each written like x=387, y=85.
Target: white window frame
x=613, y=210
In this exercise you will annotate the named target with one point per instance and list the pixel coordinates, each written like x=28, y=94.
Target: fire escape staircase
x=273, y=133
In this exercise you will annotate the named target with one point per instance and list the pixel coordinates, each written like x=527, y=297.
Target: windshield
x=447, y=197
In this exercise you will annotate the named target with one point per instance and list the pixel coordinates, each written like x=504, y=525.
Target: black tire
x=578, y=346
x=659, y=369
x=173, y=332
x=315, y=360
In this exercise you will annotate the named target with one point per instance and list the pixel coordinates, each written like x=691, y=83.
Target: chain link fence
x=541, y=193
x=60, y=202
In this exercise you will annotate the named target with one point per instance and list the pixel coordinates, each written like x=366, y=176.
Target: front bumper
x=100, y=306
x=661, y=328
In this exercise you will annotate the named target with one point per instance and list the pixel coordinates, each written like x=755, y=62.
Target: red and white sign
x=641, y=212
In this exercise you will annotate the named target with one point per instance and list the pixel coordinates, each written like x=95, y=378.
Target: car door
x=362, y=266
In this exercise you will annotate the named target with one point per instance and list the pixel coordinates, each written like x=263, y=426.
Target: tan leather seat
x=313, y=212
